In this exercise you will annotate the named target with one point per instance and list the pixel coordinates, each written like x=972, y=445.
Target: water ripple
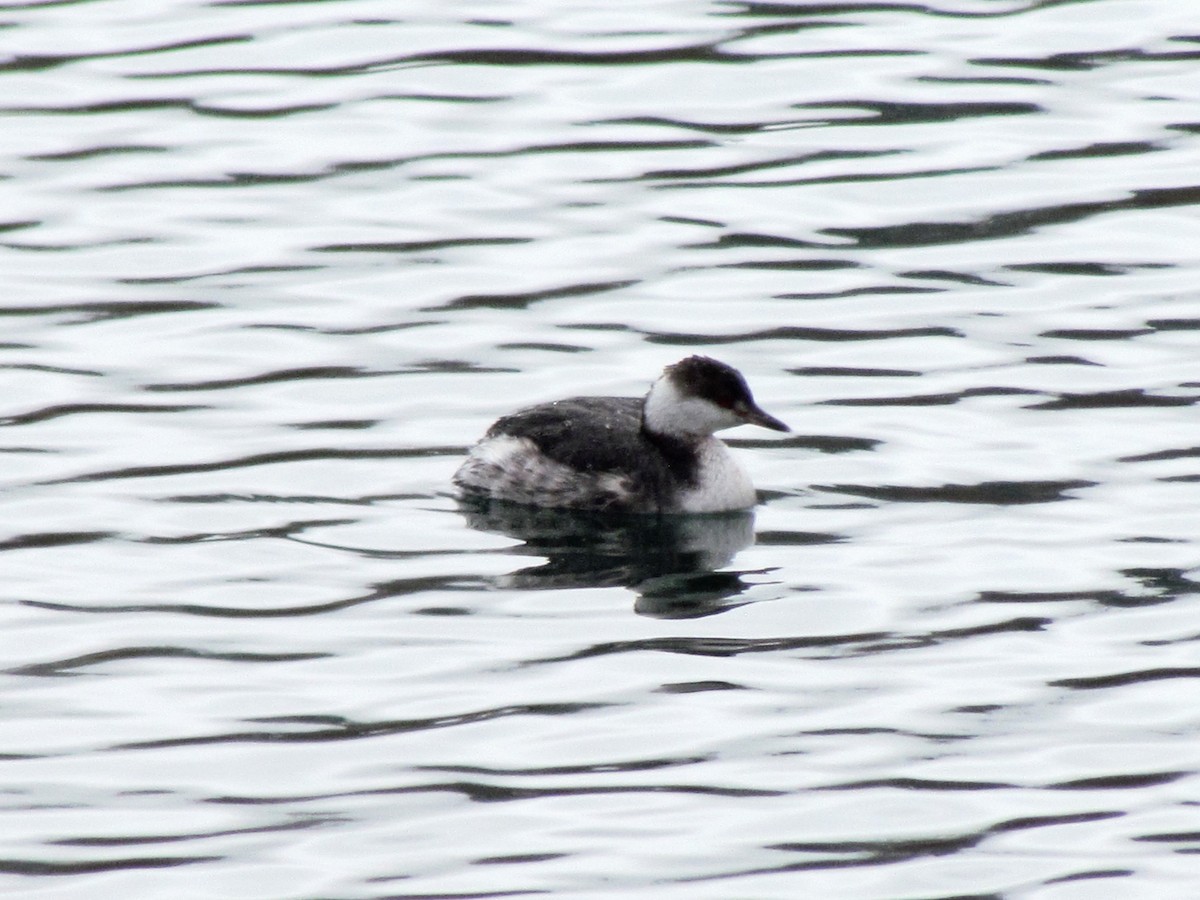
x=346, y=730
x=954, y=645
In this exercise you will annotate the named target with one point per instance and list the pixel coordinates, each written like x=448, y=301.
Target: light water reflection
x=271, y=267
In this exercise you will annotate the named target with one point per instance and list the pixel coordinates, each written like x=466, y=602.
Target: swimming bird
x=655, y=454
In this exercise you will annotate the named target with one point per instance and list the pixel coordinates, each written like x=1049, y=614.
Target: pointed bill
x=752, y=415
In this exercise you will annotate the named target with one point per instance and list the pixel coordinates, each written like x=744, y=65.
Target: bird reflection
x=669, y=561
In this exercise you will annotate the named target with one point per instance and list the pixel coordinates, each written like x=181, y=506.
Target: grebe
x=651, y=455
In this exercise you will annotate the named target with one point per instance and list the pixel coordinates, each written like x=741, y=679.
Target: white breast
x=722, y=484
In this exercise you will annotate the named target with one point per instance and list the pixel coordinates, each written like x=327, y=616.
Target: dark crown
x=709, y=379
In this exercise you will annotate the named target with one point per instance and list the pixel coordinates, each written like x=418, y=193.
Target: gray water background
x=269, y=268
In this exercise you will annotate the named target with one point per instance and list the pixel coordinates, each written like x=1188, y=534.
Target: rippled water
x=270, y=267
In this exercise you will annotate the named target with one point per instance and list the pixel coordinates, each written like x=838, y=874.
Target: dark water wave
x=1014, y=223
x=888, y=852
x=259, y=459
x=338, y=729
x=35, y=867
x=792, y=332
x=951, y=243
x=399, y=588
x=71, y=667
x=821, y=646
x=82, y=409
x=1000, y=493
x=87, y=313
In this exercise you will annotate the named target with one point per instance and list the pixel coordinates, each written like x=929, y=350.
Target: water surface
x=270, y=268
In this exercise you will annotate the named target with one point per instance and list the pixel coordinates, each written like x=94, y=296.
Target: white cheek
x=705, y=417
x=669, y=412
